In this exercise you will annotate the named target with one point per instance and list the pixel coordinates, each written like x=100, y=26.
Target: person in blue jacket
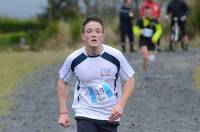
x=126, y=18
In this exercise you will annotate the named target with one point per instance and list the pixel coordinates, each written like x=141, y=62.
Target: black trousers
x=91, y=125
x=126, y=32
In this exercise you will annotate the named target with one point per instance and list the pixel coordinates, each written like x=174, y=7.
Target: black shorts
x=91, y=125
x=144, y=41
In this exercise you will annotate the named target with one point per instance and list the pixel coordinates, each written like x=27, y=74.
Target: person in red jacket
x=155, y=8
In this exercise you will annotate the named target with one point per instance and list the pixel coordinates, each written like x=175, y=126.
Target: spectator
x=179, y=9
x=126, y=17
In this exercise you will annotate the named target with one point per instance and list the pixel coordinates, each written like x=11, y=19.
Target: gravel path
x=168, y=102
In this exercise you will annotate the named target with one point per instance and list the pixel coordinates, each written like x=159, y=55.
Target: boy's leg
x=152, y=62
x=145, y=54
x=85, y=125
x=151, y=57
x=144, y=51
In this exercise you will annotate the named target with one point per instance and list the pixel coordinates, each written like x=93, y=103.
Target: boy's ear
x=82, y=36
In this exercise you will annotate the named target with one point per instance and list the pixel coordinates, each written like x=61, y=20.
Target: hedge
x=15, y=25
x=13, y=38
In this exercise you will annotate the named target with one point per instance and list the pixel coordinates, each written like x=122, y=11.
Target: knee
x=145, y=57
x=151, y=58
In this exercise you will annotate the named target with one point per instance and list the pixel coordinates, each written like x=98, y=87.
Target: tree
x=62, y=9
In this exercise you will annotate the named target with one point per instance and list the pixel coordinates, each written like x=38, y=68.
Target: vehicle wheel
x=172, y=43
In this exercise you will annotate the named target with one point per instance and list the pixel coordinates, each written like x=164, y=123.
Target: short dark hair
x=125, y=1
x=147, y=7
x=93, y=18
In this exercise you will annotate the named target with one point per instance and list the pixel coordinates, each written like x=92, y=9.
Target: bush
x=194, y=18
x=14, y=25
x=165, y=27
x=75, y=26
x=13, y=38
x=48, y=32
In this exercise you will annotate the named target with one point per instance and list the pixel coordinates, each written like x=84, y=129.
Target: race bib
x=100, y=93
x=147, y=32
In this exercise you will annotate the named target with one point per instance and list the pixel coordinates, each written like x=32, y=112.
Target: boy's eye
x=95, y=30
x=98, y=31
x=89, y=31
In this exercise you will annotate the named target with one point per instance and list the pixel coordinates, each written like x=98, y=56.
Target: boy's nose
x=93, y=34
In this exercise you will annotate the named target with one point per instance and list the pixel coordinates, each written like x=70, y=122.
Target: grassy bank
x=197, y=77
x=15, y=65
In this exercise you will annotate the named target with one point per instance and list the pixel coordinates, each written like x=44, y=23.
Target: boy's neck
x=149, y=18
x=94, y=51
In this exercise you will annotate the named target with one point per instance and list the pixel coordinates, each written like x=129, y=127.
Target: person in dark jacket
x=126, y=17
x=179, y=9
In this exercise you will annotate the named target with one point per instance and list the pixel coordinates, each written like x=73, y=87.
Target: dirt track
x=168, y=102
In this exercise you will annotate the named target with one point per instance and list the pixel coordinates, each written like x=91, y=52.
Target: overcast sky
x=21, y=8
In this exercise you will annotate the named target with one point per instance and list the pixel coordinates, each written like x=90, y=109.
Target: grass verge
x=197, y=77
x=15, y=65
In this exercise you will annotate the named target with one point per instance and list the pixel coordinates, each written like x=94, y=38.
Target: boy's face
x=129, y=2
x=148, y=13
x=93, y=34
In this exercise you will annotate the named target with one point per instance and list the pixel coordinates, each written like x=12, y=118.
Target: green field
x=15, y=65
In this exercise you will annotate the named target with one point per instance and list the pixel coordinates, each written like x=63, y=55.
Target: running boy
x=148, y=30
x=98, y=69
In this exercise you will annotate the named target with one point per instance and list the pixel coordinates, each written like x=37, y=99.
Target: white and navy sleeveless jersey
x=98, y=81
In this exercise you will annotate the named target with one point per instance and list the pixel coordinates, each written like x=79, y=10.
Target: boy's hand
x=64, y=120
x=116, y=113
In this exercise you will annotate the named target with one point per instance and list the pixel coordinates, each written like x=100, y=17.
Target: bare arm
x=128, y=89
x=63, y=91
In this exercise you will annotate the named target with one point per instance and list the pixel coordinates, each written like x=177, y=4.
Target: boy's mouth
x=94, y=40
